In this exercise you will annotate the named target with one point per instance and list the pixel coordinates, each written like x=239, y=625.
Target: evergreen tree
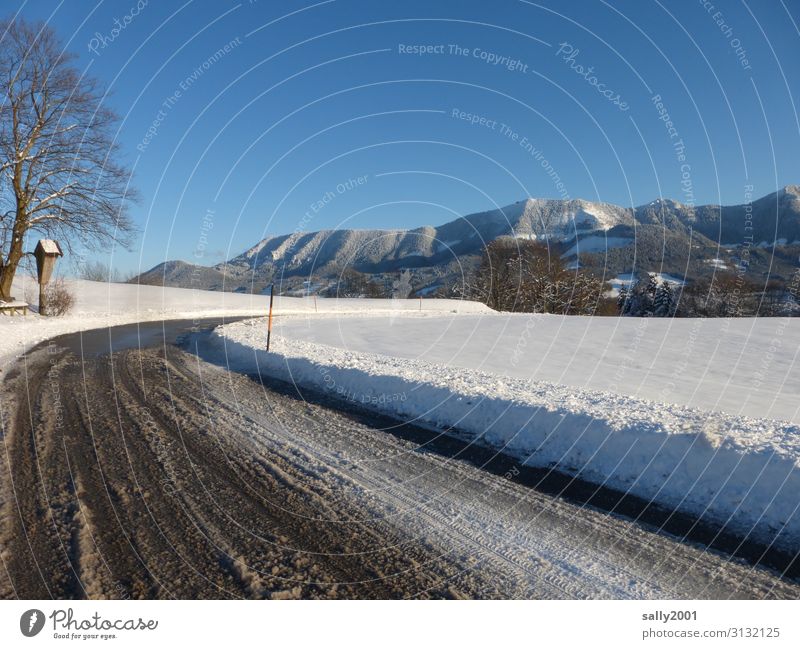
x=622, y=300
x=664, y=302
x=648, y=297
x=639, y=299
x=652, y=285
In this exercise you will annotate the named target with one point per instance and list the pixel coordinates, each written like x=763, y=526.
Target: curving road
x=150, y=473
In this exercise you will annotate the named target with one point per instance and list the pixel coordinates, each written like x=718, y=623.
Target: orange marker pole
x=269, y=321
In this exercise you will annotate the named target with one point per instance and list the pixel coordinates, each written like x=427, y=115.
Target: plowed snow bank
x=737, y=470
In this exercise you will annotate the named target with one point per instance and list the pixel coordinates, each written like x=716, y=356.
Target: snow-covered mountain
x=662, y=233
x=383, y=250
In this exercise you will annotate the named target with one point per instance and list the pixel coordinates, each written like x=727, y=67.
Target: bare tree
x=529, y=276
x=498, y=279
x=99, y=271
x=59, y=173
x=352, y=283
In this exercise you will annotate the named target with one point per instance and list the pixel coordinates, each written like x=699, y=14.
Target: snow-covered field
x=697, y=414
x=104, y=304
x=743, y=366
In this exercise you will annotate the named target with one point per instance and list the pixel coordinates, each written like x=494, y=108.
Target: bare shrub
x=98, y=271
x=59, y=299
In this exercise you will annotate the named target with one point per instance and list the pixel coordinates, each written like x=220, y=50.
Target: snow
x=695, y=414
x=104, y=304
x=597, y=244
x=604, y=218
x=717, y=263
x=713, y=364
x=626, y=279
x=49, y=247
x=252, y=252
x=665, y=201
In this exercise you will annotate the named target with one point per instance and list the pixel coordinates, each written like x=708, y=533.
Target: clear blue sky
x=311, y=95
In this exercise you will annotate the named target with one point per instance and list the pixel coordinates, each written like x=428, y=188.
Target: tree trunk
x=9, y=269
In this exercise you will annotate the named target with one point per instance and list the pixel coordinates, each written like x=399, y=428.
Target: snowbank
x=742, y=366
x=737, y=470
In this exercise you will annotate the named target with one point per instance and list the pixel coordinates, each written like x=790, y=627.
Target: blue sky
x=250, y=119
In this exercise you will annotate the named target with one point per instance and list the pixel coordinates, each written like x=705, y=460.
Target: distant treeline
x=530, y=276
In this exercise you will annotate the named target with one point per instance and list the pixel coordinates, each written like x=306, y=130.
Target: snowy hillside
x=564, y=220
x=700, y=415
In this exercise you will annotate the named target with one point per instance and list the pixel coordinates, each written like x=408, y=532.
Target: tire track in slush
x=631, y=581
x=692, y=561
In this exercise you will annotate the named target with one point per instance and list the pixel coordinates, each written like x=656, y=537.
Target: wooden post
x=269, y=320
x=420, y=303
x=42, y=300
x=315, y=304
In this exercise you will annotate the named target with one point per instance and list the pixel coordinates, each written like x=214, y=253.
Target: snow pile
x=737, y=470
x=742, y=366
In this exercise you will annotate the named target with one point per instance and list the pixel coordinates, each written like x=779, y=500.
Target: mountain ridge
x=576, y=226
